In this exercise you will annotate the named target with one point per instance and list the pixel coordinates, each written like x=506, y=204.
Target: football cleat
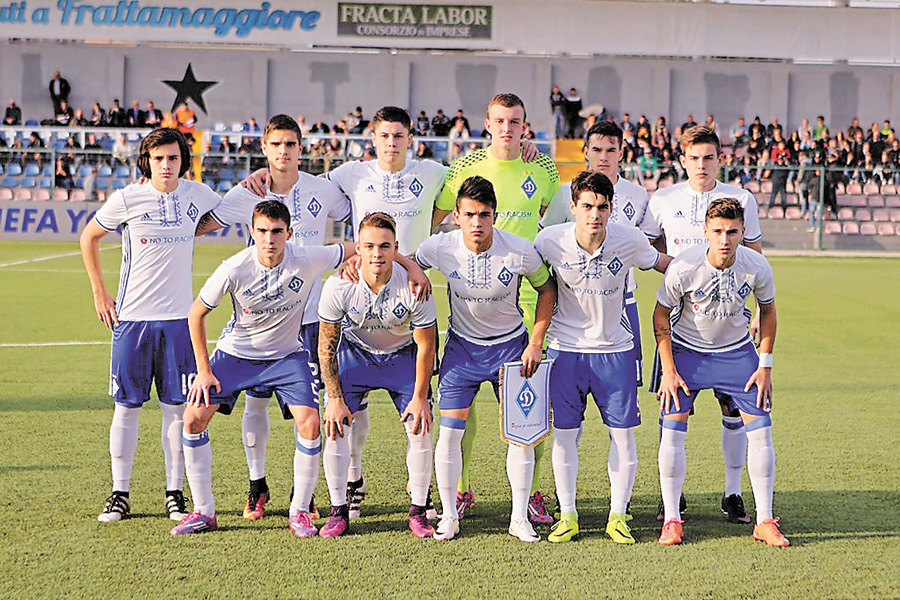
x=195, y=523
x=672, y=532
x=117, y=508
x=337, y=523
x=733, y=509
x=256, y=505
x=175, y=505
x=446, y=529
x=768, y=532
x=661, y=511
x=537, y=510
x=522, y=529
x=418, y=522
x=356, y=493
x=565, y=529
x=617, y=528
x=464, y=501
x=430, y=510
x=301, y=524
x=313, y=509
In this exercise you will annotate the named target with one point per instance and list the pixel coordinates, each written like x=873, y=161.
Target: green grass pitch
x=835, y=427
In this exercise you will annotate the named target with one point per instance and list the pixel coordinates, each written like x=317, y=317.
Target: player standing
x=701, y=326
x=484, y=268
x=375, y=334
x=674, y=221
x=311, y=202
x=523, y=191
x=592, y=346
x=269, y=285
x=148, y=318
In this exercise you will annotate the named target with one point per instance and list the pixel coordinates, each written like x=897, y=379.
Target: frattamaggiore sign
x=414, y=20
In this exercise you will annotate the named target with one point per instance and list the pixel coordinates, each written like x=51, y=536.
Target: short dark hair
x=725, y=208
x=506, y=101
x=163, y=136
x=480, y=190
x=379, y=220
x=700, y=134
x=282, y=123
x=272, y=209
x=598, y=183
x=603, y=128
x=392, y=114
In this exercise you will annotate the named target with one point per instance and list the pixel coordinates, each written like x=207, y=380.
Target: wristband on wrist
x=765, y=360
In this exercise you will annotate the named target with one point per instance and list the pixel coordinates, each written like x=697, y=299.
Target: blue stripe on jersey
x=426, y=326
x=229, y=326
x=192, y=440
x=759, y=423
x=673, y=424
x=309, y=451
x=453, y=423
x=126, y=269
x=97, y=221
x=205, y=303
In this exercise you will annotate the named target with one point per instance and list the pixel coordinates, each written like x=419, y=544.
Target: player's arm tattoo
x=207, y=224
x=329, y=339
x=662, y=327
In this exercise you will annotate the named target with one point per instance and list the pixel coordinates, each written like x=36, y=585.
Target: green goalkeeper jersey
x=521, y=188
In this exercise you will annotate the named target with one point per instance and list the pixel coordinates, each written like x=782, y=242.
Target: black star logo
x=189, y=89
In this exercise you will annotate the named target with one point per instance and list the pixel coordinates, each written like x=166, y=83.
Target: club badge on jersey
x=525, y=404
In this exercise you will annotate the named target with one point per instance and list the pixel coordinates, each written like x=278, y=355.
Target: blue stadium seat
x=123, y=172
x=118, y=184
x=543, y=136
x=32, y=169
x=243, y=174
x=224, y=185
x=45, y=182
x=102, y=184
x=105, y=171
x=107, y=143
x=59, y=144
x=31, y=123
x=9, y=182
x=28, y=182
x=226, y=174
x=84, y=171
x=14, y=169
x=1, y=169
x=47, y=170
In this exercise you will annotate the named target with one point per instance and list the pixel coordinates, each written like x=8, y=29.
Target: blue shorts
x=144, y=352
x=360, y=372
x=608, y=377
x=309, y=338
x=726, y=372
x=656, y=376
x=466, y=366
x=289, y=377
x=631, y=311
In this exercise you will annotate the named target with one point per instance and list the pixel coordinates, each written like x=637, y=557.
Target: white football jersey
x=312, y=201
x=590, y=315
x=268, y=302
x=484, y=288
x=380, y=323
x=679, y=213
x=408, y=195
x=155, y=283
x=710, y=313
x=629, y=205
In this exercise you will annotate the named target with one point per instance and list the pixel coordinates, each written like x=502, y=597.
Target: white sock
x=622, y=466
x=336, y=459
x=672, y=466
x=255, y=432
x=761, y=466
x=123, y=439
x=565, y=466
x=419, y=463
x=448, y=463
x=198, y=461
x=734, y=451
x=357, y=444
x=520, y=470
x=173, y=451
x=306, y=471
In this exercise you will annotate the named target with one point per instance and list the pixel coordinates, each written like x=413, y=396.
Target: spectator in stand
x=803, y=130
x=729, y=172
x=629, y=166
x=756, y=145
x=772, y=128
x=13, y=114
x=689, y=123
x=627, y=125
x=36, y=143
x=340, y=128
x=116, y=116
x=78, y=119
x=572, y=109
x=557, y=102
x=853, y=128
x=424, y=151
x=662, y=140
x=59, y=91
x=121, y=150
x=98, y=116
x=876, y=144
x=628, y=138
x=820, y=131
x=89, y=185
x=357, y=124
x=92, y=149
x=63, y=174
x=73, y=151
x=894, y=157
x=423, y=124
x=886, y=129
x=643, y=131
x=169, y=121
x=528, y=132
x=440, y=124
x=135, y=116
x=777, y=137
x=252, y=126
x=647, y=164
x=152, y=117
x=186, y=118
x=304, y=126
x=668, y=168
x=779, y=160
x=738, y=134
x=319, y=127
x=460, y=117
x=756, y=128
x=711, y=122
x=660, y=125
x=64, y=114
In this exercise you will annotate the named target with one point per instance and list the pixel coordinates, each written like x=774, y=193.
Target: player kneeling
x=269, y=285
x=701, y=324
x=388, y=343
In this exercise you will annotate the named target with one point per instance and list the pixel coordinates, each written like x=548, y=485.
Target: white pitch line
x=52, y=257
